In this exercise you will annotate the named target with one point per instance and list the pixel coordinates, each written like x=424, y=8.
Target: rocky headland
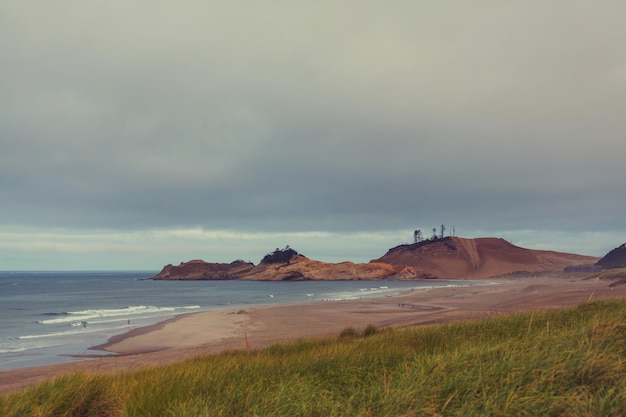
x=300, y=268
x=447, y=258
x=288, y=265
x=200, y=270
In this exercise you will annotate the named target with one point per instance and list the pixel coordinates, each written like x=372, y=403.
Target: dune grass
x=563, y=363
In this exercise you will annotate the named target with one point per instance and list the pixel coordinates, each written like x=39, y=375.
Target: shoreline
x=112, y=345
x=215, y=331
x=28, y=344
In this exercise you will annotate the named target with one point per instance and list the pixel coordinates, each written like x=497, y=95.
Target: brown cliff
x=200, y=270
x=454, y=257
x=296, y=268
x=299, y=268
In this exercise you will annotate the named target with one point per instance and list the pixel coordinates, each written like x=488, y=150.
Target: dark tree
x=279, y=256
x=443, y=229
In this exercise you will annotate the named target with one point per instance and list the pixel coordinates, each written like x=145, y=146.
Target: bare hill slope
x=455, y=257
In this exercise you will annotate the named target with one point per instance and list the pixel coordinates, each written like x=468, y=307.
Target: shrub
x=348, y=332
x=370, y=330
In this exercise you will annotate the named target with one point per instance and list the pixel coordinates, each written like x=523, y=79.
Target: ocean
x=46, y=317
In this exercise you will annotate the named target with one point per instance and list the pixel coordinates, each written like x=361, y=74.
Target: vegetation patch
x=279, y=256
x=569, y=362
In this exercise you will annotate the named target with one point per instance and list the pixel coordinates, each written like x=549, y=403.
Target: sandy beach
x=252, y=328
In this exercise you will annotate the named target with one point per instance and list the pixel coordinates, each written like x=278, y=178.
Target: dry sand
x=216, y=331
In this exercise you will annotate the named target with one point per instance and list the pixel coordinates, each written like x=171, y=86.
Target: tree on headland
x=417, y=236
x=279, y=256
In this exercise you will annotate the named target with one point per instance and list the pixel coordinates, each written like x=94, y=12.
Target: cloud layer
x=291, y=117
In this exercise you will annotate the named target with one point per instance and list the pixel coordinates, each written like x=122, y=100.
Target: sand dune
x=455, y=257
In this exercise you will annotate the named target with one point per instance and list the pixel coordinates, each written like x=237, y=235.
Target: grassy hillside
x=570, y=362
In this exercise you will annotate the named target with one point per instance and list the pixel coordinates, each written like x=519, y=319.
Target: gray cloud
x=288, y=116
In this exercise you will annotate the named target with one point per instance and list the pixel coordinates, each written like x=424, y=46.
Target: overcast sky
x=139, y=133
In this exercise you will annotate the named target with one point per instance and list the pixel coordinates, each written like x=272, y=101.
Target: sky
x=134, y=134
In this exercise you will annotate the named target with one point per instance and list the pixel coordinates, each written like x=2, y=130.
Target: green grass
x=564, y=363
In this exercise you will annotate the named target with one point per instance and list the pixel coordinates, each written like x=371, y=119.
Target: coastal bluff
x=295, y=268
x=200, y=270
x=302, y=268
x=480, y=258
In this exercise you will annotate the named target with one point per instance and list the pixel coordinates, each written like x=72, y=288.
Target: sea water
x=48, y=317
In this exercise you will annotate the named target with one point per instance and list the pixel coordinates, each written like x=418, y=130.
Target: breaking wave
x=122, y=313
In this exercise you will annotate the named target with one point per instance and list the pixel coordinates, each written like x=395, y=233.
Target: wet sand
x=212, y=332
